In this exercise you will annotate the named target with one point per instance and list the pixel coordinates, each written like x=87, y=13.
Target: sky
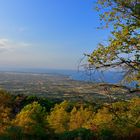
x=50, y=34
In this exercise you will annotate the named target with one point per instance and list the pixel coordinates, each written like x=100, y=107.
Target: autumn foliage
x=67, y=120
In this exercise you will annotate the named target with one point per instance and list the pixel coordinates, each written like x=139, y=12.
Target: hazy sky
x=47, y=33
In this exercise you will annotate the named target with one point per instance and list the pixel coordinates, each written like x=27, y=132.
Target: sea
x=106, y=76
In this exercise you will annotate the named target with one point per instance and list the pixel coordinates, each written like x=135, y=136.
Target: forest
x=30, y=117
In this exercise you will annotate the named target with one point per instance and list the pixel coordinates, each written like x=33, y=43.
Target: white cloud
x=7, y=45
x=3, y=41
x=4, y=44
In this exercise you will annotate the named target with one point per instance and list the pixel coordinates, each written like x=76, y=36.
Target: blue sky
x=48, y=33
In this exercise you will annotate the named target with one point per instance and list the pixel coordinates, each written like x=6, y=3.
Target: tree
x=5, y=116
x=5, y=110
x=32, y=120
x=126, y=116
x=59, y=117
x=123, y=49
x=79, y=118
x=103, y=119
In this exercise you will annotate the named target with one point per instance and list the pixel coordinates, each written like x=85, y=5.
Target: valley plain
x=60, y=87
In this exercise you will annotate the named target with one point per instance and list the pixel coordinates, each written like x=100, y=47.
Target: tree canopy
x=123, y=48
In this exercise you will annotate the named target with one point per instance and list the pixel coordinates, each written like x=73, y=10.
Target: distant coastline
x=112, y=77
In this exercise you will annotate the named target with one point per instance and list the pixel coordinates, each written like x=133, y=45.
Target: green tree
x=123, y=49
x=80, y=118
x=59, y=117
x=126, y=116
x=103, y=119
x=32, y=120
